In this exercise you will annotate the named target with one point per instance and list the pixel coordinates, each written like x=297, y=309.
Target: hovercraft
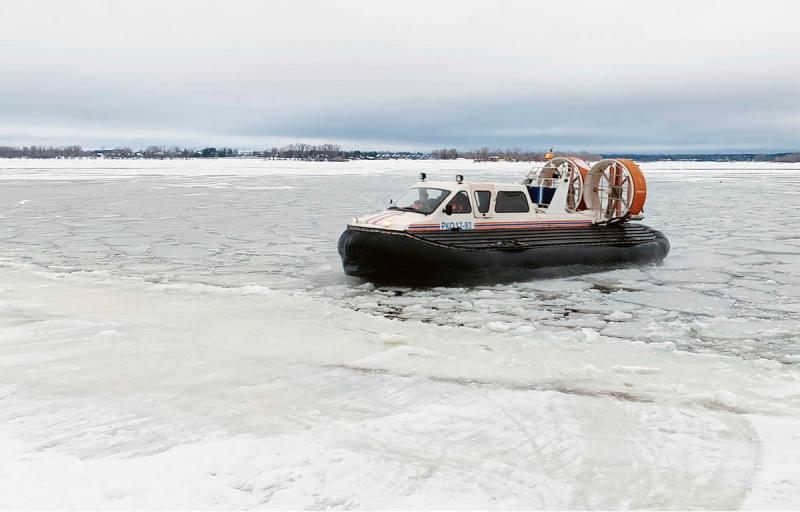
x=563, y=214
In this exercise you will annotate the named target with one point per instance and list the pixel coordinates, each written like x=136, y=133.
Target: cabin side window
x=460, y=203
x=482, y=199
x=511, y=202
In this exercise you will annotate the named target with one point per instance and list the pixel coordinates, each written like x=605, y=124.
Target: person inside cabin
x=460, y=203
x=421, y=204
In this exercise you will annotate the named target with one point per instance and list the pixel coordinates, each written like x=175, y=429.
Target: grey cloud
x=602, y=76
x=710, y=119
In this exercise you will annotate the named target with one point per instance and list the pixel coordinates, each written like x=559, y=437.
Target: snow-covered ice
x=178, y=334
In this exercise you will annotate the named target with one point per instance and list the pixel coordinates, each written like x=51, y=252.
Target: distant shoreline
x=334, y=153
x=784, y=165
x=757, y=158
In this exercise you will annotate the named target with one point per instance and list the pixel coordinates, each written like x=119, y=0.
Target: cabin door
x=482, y=197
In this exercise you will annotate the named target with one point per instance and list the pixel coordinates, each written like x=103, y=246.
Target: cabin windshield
x=420, y=199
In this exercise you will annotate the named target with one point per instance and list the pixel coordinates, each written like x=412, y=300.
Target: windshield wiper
x=406, y=209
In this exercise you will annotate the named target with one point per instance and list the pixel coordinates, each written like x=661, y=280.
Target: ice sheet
x=180, y=335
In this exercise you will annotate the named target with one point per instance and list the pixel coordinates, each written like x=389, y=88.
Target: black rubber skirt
x=442, y=257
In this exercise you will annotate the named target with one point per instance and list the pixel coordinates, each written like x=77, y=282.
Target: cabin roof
x=452, y=185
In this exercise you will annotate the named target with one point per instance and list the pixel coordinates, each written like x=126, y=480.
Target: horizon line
x=201, y=147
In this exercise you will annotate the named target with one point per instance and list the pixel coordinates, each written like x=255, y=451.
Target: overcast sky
x=691, y=76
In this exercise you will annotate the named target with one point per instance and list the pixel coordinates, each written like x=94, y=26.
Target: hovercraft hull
x=444, y=256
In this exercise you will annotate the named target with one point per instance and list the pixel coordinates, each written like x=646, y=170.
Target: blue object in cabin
x=541, y=195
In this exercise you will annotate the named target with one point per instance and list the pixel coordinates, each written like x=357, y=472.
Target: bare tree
x=302, y=150
x=330, y=150
x=153, y=152
x=792, y=157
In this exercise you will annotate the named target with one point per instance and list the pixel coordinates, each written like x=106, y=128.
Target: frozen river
x=179, y=334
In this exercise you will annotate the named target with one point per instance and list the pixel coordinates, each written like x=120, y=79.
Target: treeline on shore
x=299, y=151
x=333, y=152
x=485, y=154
